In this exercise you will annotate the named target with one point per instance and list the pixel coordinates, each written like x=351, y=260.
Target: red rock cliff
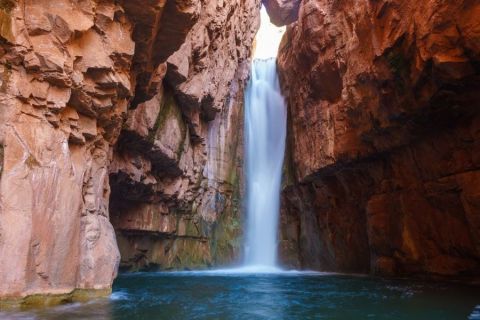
x=384, y=137
x=122, y=111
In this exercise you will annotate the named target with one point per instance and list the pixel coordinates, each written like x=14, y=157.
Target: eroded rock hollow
x=119, y=112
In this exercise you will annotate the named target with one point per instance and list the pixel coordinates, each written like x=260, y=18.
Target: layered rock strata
x=383, y=163
x=176, y=175
x=92, y=90
x=65, y=89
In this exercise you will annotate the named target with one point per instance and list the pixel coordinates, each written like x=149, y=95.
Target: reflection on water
x=210, y=295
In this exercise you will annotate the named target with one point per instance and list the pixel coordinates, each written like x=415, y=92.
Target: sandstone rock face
x=282, y=12
x=65, y=89
x=160, y=28
x=176, y=175
x=90, y=91
x=383, y=137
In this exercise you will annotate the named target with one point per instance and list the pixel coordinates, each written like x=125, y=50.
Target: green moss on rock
x=47, y=300
x=226, y=241
x=191, y=254
x=168, y=110
x=192, y=228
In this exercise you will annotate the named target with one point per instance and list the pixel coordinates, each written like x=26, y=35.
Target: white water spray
x=265, y=131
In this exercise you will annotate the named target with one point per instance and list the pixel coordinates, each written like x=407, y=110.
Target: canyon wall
x=383, y=163
x=118, y=112
x=176, y=175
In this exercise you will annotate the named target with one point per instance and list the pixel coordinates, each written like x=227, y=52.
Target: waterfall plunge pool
x=278, y=295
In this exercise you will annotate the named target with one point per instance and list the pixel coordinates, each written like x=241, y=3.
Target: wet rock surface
x=383, y=135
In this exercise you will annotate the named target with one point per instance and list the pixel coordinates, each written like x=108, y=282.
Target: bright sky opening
x=268, y=38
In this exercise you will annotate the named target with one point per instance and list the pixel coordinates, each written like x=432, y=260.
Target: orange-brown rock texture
x=125, y=113
x=383, y=165
x=176, y=174
x=282, y=12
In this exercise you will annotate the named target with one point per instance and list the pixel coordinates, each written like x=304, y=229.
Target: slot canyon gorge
x=122, y=139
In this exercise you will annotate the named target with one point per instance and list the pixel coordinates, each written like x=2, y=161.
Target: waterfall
x=265, y=131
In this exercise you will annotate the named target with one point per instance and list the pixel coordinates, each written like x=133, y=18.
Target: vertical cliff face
x=177, y=170
x=65, y=88
x=139, y=98
x=383, y=158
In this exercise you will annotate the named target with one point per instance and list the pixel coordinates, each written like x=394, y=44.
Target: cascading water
x=265, y=131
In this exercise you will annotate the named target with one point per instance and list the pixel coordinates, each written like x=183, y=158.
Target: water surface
x=221, y=295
